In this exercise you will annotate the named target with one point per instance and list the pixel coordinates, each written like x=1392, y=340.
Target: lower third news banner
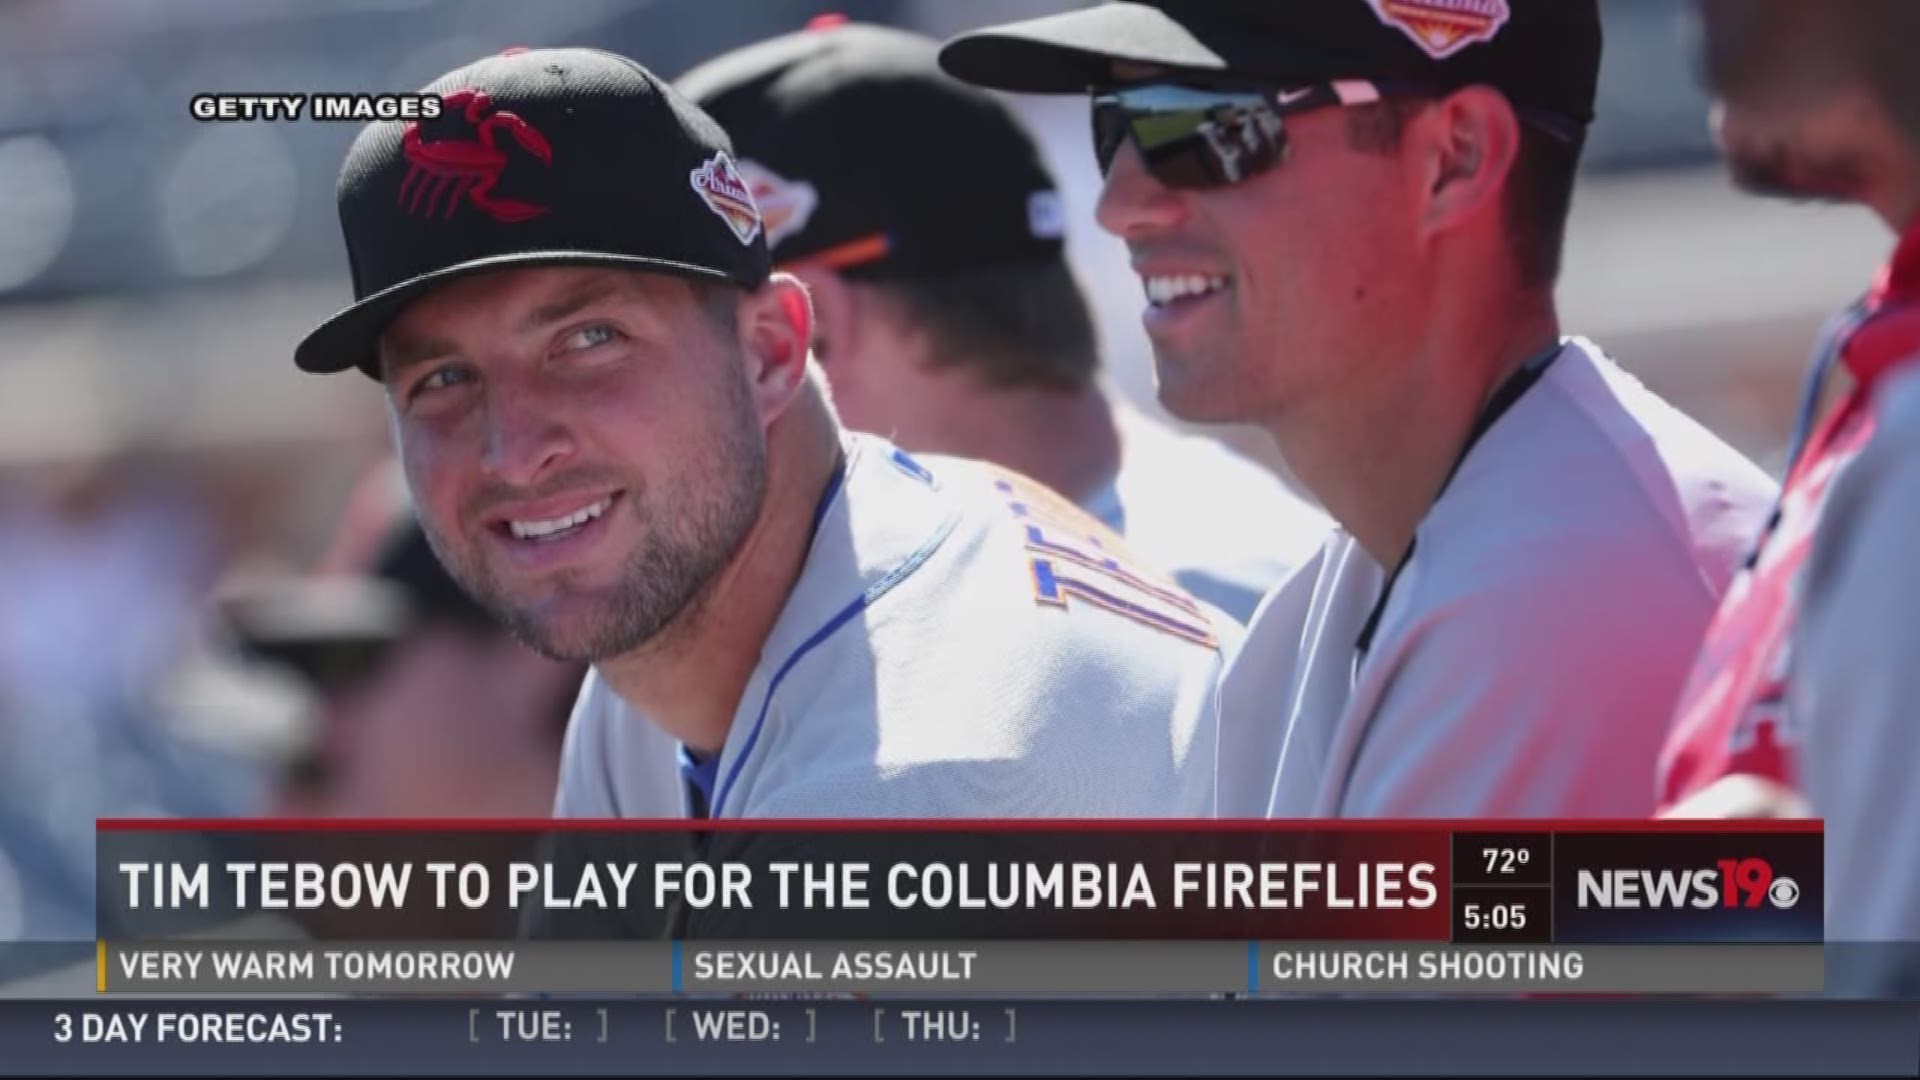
x=1040, y=909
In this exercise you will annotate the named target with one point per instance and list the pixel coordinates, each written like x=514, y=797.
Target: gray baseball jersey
x=1226, y=529
x=1529, y=654
x=961, y=643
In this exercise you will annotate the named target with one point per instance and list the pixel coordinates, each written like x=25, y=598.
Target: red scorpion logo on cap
x=471, y=166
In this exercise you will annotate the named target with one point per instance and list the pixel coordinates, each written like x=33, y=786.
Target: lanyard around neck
x=1509, y=392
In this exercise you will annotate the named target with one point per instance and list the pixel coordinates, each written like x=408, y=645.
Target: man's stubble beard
x=666, y=578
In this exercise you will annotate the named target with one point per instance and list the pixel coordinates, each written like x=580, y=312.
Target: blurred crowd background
x=163, y=463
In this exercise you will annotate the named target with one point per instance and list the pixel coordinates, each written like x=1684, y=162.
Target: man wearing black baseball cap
x=949, y=318
x=1347, y=216
x=617, y=442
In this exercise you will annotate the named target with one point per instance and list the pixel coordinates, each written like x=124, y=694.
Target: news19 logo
x=1699, y=887
x=1728, y=883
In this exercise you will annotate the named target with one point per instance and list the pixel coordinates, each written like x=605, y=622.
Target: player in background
x=1374, y=198
x=617, y=442
x=921, y=217
x=1808, y=681
x=428, y=707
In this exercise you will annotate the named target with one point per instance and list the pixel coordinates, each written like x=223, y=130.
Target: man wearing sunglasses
x=949, y=320
x=1370, y=196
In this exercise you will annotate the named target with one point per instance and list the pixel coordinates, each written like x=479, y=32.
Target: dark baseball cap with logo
x=547, y=157
x=1542, y=54
x=864, y=156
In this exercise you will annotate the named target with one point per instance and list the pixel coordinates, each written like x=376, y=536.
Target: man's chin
x=558, y=647
x=566, y=629
x=1189, y=399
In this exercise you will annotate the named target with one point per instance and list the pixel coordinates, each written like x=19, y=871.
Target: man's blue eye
x=588, y=336
x=441, y=378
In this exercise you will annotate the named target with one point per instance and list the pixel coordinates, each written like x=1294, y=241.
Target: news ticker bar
x=1561, y=883
x=979, y=967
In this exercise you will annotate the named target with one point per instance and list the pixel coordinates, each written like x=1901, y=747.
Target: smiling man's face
x=582, y=445
x=1268, y=293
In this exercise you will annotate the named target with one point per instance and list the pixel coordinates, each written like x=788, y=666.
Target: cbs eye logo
x=1784, y=892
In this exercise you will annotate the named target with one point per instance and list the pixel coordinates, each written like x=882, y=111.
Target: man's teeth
x=533, y=530
x=1164, y=289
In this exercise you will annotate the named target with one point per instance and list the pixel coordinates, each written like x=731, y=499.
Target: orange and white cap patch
x=719, y=185
x=785, y=205
x=1444, y=27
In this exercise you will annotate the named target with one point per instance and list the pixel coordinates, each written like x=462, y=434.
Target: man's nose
x=1133, y=202
x=525, y=440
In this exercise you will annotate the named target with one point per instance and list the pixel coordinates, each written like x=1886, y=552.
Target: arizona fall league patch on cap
x=727, y=195
x=785, y=205
x=1444, y=27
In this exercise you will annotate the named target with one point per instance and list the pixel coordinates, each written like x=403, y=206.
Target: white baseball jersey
x=1531, y=651
x=961, y=643
x=1226, y=529
x=1854, y=688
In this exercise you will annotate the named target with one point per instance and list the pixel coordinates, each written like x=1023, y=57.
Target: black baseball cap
x=863, y=155
x=1542, y=54
x=539, y=157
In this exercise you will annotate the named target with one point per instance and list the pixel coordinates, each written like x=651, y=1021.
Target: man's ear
x=837, y=319
x=1468, y=143
x=776, y=331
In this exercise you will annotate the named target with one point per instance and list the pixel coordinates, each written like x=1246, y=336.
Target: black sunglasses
x=1194, y=138
x=330, y=665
